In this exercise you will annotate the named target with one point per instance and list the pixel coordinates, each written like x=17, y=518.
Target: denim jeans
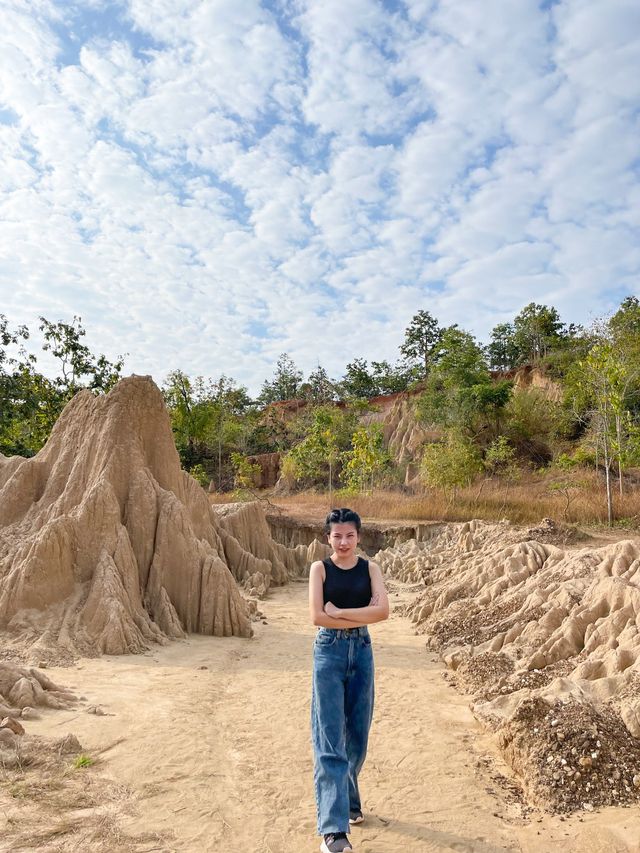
x=341, y=712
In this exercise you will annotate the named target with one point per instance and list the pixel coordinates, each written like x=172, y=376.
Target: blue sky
x=211, y=183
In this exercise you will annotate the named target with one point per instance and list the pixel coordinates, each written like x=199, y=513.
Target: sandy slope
x=216, y=749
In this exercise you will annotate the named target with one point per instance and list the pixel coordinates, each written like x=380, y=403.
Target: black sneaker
x=356, y=817
x=335, y=842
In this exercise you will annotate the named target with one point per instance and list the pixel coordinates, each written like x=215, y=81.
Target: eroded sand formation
x=548, y=641
x=107, y=545
x=27, y=688
x=403, y=436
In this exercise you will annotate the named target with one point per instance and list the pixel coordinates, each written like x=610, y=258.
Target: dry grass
x=572, y=497
x=48, y=804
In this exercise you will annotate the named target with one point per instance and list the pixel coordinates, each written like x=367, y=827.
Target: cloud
x=212, y=183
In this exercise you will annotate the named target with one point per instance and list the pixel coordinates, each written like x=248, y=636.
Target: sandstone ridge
x=106, y=545
x=547, y=639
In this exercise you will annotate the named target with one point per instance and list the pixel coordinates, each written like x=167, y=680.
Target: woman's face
x=344, y=538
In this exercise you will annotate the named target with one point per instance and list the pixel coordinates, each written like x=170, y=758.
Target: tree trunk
x=619, y=437
x=607, y=471
x=479, y=492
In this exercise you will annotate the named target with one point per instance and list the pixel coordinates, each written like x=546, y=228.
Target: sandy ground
x=215, y=749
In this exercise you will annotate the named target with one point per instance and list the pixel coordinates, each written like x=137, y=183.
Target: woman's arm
x=376, y=611
x=316, y=602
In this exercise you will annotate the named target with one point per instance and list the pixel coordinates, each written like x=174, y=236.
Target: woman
x=346, y=593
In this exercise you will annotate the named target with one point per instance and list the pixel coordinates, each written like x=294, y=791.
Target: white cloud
x=210, y=187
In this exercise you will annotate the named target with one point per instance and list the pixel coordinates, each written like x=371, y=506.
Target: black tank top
x=347, y=587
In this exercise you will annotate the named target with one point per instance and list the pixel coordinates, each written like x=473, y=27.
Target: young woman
x=346, y=593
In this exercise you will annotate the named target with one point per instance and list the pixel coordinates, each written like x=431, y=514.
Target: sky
x=210, y=184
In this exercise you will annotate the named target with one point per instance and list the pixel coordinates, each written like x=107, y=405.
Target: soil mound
x=24, y=687
x=531, y=628
x=107, y=545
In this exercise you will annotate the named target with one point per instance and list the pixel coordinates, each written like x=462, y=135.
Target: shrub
x=500, y=458
x=450, y=465
x=198, y=473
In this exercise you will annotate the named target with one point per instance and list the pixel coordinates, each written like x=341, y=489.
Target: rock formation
x=269, y=465
x=107, y=545
x=539, y=633
x=254, y=558
x=529, y=377
x=24, y=687
x=403, y=436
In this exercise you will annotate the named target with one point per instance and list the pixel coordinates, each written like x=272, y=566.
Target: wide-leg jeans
x=341, y=712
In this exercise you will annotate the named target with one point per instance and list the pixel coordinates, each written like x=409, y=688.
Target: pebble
x=14, y=725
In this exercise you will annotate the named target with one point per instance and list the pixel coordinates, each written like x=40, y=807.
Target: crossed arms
x=329, y=616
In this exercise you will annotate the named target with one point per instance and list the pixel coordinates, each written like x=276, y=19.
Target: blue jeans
x=341, y=712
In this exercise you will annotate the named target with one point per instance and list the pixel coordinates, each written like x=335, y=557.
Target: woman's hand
x=375, y=599
x=331, y=610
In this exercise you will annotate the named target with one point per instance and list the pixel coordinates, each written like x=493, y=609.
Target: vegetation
x=450, y=465
x=486, y=438
x=30, y=403
x=366, y=459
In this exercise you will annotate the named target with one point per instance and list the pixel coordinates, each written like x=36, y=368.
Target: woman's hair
x=342, y=516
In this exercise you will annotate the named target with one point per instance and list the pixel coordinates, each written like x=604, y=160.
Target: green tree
x=314, y=459
x=488, y=402
x=600, y=384
x=191, y=410
x=29, y=407
x=319, y=388
x=10, y=338
x=421, y=339
x=80, y=368
x=269, y=431
x=210, y=420
x=603, y=388
x=31, y=403
x=500, y=458
x=502, y=351
x=389, y=379
x=531, y=422
x=451, y=464
x=228, y=426
x=625, y=323
x=623, y=330
x=460, y=359
x=366, y=459
x=246, y=473
x=537, y=329
x=285, y=384
x=16, y=391
x=358, y=381
x=459, y=393
x=198, y=473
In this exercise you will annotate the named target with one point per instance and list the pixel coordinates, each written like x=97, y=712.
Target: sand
x=209, y=738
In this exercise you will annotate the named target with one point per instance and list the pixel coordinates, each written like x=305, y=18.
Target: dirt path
x=215, y=747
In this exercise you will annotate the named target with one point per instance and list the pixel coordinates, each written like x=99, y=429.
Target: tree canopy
x=421, y=339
